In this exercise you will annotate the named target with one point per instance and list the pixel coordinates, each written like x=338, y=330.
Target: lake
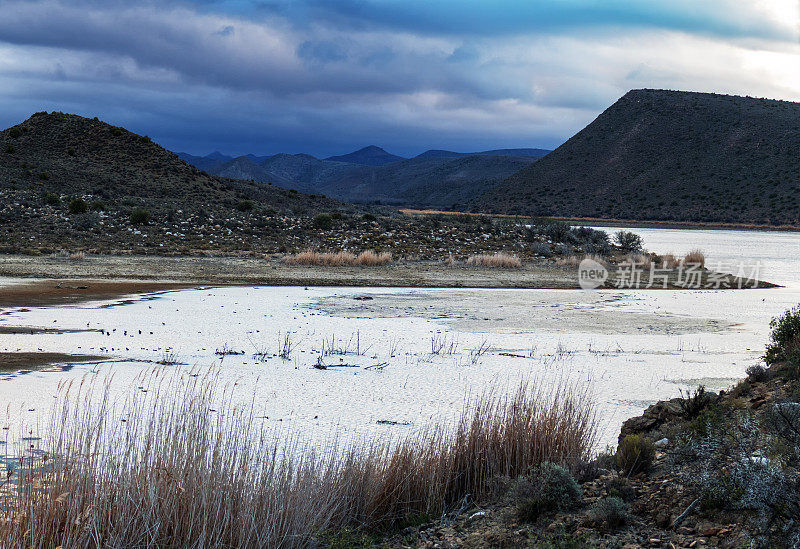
x=384, y=362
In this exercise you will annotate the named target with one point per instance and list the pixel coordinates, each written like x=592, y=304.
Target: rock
x=478, y=515
x=708, y=532
x=662, y=443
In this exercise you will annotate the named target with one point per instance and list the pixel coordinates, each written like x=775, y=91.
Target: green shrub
x=52, y=199
x=245, y=206
x=619, y=487
x=785, y=336
x=610, y=513
x=44, y=176
x=140, y=216
x=10, y=149
x=144, y=139
x=323, y=222
x=694, y=403
x=14, y=132
x=97, y=206
x=629, y=242
x=368, y=217
x=77, y=206
x=116, y=132
x=71, y=151
x=549, y=487
x=635, y=454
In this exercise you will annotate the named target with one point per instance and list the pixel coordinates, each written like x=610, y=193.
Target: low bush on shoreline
x=367, y=258
x=174, y=467
x=695, y=257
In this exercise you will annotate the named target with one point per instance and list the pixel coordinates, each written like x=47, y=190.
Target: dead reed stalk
x=181, y=466
x=501, y=260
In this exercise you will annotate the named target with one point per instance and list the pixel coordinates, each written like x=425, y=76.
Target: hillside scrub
x=185, y=471
x=499, y=260
x=368, y=258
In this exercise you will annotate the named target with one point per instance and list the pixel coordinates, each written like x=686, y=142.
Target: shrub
x=629, y=242
x=557, y=231
x=785, y=336
x=323, y=222
x=71, y=151
x=10, y=149
x=548, y=487
x=694, y=403
x=97, y=206
x=116, y=132
x=52, y=199
x=14, y=132
x=368, y=217
x=140, y=216
x=695, y=257
x=44, y=176
x=667, y=261
x=372, y=259
x=619, y=487
x=77, y=206
x=635, y=454
x=541, y=248
x=610, y=513
x=245, y=206
x=144, y=139
x=757, y=373
x=500, y=259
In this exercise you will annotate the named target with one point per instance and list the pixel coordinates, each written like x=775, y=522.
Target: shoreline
x=55, y=281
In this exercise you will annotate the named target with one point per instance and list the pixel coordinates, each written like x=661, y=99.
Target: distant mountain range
x=433, y=179
x=668, y=155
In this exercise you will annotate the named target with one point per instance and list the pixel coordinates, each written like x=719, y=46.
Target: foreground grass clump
x=695, y=257
x=548, y=487
x=368, y=258
x=178, y=467
x=500, y=259
x=635, y=454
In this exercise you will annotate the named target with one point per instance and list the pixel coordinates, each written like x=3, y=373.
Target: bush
x=549, y=487
x=245, y=206
x=71, y=151
x=10, y=149
x=97, y=206
x=52, y=199
x=368, y=217
x=542, y=248
x=694, y=403
x=14, y=132
x=629, y=242
x=695, y=257
x=757, y=373
x=785, y=336
x=619, y=487
x=140, y=216
x=44, y=176
x=610, y=513
x=77, y=206
x=635, y=454
x=116, y=132
x=323, y=222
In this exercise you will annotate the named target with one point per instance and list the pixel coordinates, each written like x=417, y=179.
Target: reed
x=500, y=259
x=181, y=466
x=695, y=257
x=367, y=258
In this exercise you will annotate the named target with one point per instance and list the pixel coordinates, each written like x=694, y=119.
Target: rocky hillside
x=666, y=155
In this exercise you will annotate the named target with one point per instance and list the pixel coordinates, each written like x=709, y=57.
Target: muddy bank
x=11, y=362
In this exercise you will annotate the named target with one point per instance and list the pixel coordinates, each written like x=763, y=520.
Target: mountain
x=202, y=162
x=368, y=156
x=435, y=153
x=668, y=155
x=69, y=156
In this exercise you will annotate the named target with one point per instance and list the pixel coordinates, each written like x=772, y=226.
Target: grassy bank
x=179, y=466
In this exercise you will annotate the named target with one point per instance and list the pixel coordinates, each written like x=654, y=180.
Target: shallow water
x=405, y=357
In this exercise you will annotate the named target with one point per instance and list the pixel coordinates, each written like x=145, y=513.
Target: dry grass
x=500, y=259
x=368, y=258
x=575, y=260
x=695, y=257
x=186, y=470
x=668, y=261
x=640, y=261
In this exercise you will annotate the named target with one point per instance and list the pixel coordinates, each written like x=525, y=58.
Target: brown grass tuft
x=575, y=260
x=368, y=258
x=500, y=259
x=183, y=470
x=668, y=261
x=695, y=257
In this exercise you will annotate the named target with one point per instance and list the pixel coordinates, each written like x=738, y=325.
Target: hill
x=65, y=178
x=368, y=156
x=667, y=155
x=436, y=153
x=426, y=181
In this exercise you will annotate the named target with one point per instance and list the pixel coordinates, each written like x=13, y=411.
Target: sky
x=328, y=77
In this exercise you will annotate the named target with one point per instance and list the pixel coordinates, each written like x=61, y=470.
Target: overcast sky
x=326, y=77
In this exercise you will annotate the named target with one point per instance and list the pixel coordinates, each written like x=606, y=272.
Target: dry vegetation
x=575, y=260
x=180, y=466
x=368, y=258
x=695, y=257
x=500, y=259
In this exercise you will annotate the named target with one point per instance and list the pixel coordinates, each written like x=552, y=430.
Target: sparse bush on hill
x=52, y=199
x=323, y=222
x=10, y=149
x=245, y=205
x=77, y=206
x=15, y=132
x=548, y=487
x=97, y=206
x=609, y=513
x=140, y=216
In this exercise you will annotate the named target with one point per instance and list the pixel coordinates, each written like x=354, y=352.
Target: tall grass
x=695, y=257
x=368, y=258
x=180, y=466
x=500, y=259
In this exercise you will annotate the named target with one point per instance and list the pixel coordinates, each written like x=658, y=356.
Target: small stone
x=708, y=532
x=662, y=443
